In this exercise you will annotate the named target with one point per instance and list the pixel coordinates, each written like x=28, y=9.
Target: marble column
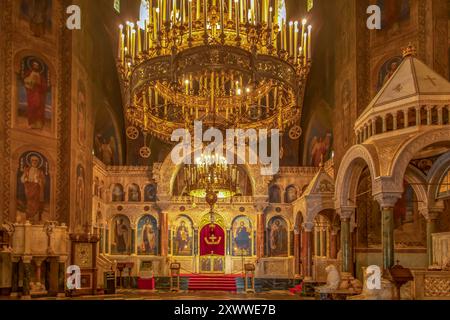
x=333, y=244
x=387, y=203
x=307, y=234
x=297, y=250
x=164, y=233
x=346, y=244
x=26, y=277
x=260, y=221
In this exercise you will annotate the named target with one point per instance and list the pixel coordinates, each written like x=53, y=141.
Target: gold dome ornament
x=295, y=133
x=132, y=133
x=211, y=198
x=145, y=152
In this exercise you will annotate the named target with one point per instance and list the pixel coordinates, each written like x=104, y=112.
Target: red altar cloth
x=146, y=284
x=212, y=240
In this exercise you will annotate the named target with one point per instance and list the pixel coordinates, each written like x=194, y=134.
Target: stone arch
x=417, y=180
x=166, y=173
x=352, y=165
x=409, y=149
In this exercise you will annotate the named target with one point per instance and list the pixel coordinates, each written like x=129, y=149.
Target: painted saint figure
x=148, y=238
x=36, y=85
x=242, y=238
x=122, y=235
x=277, y=238
x=33, y=178
x=182, y=238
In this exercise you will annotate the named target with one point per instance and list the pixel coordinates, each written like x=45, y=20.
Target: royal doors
x=212, y=249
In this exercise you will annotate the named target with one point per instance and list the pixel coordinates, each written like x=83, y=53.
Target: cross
x=213, y=238
x=431, y=80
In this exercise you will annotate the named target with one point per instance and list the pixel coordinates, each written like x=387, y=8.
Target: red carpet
x=212, y=283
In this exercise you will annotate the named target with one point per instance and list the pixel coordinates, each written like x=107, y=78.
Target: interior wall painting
x=81, y=113
x=319, y=140
x=147, y=236
x=121, y=237
x=387, y=70
x=277, y=237
x=150, y=192
x=118, y=194
x=134, y=193
x=38, y=14
x=35, y=104
x=106, y=147
x=183, y=236
x=33, y=188
x=394, y=12
x=80, y=211
x=242, y=237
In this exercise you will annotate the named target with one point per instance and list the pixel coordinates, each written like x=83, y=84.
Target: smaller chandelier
x=211, y=173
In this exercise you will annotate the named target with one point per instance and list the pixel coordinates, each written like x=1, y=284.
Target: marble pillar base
x=37, y=288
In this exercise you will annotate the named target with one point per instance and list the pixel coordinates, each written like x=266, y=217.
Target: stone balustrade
x=441, y=249
x=399, y=118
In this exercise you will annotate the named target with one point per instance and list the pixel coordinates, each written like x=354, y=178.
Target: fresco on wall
x=409, y=224
x=81, y=113
x=38, y=14
x=147, y=236
x=33, y=188
x=393, y=12
x=150, y=192
x=387, y=70
x=242, y=236
x=121, y=237
x=277, y=237
x=80, y=197
x=274, y=194
x=183, y=237
x=320, y=139
x=134, y=193
x=117, y=193
x=291, y=194
x=106, y=147
x=34, y=95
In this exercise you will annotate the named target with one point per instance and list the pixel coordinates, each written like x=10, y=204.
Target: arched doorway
x=211, y=242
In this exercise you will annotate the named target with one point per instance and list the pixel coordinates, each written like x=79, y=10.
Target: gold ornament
x=295, y=133
x=132, y=133
x=145, y=152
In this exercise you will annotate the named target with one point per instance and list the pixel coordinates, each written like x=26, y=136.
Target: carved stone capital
x=387, y=200
x=431, y=213
x=308, y=226
x=346, y=213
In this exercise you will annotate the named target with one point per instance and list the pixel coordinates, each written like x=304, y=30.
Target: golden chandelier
x=228, y=63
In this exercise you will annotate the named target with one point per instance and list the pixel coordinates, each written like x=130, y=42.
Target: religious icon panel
x=277, y=237
x=182, y=237
x=242, y=237
x=147, y=236
x=121, y=236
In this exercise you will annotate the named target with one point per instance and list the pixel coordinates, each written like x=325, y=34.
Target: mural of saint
x=319, y=138
x=150, y=192
x=38, y=13
x=122, y=236
x=106, y=142
x=278, y=237
x=242, y=243
x=387, y=70
x=147, y=236
x=134, y=194
x=183, y=237
x=105, y=149
x=291, y=194
x=34, y=94
x=81, y=113
x=274, y=194
x=80, y=197
x=117, y=193
x=33, y=187
x=394, y=11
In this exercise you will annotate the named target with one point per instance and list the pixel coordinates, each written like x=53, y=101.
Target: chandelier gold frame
x=206, y=60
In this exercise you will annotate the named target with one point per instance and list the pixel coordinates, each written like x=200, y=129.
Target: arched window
x=277, y=237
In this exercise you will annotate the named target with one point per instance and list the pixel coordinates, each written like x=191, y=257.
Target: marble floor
x=195, y=295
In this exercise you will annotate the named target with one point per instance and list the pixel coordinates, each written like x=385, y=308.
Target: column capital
x=431, y=213
x=308, y=226
x=346, y=213
x=387, y=200
x=27, y=259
